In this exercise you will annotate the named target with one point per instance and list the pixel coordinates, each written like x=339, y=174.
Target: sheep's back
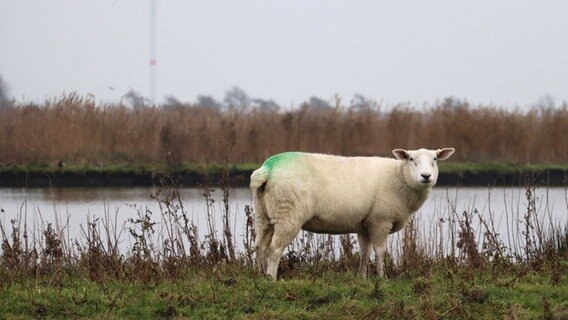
x=336, y=193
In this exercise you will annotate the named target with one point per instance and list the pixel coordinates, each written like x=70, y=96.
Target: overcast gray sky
x=508, y=52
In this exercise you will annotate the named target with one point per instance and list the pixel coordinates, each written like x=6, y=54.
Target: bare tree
x=135, y=100
x=454, y=103
x=361, y=103
x=237, y=100
x=263, y=105
x=5, y=101
x=546, y=102
x=171, y=102
x=316, y=104
x=208, y=102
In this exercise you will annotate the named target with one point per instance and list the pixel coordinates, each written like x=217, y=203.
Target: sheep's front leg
x=379, y=254
x=284, y=233
x=365, y=252
x=379, y=234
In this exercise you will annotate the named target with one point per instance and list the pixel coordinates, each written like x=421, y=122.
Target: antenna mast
x=153, y=59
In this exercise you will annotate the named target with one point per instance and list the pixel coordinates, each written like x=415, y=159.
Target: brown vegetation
x=76, y=130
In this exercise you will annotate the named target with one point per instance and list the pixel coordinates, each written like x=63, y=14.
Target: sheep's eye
x=411, y=159
x=435, y=158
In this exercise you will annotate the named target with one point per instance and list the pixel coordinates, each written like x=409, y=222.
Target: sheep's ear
x=445, y=153
x=400, y=154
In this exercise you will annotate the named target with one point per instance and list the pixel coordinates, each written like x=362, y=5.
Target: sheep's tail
x=258, y=181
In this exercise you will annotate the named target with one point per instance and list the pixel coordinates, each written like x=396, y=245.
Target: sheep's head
x=421, y=166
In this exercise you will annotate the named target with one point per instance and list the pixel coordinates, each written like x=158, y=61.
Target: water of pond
x=70, y=209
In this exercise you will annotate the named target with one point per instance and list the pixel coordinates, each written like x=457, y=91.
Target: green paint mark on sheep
x=279, y=159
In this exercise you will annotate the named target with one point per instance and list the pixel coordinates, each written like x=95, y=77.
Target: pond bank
x=463, y=174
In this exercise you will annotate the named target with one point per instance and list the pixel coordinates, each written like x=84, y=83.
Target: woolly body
x=370, y=196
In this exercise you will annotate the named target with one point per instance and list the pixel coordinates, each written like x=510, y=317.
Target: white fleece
x=370, y=196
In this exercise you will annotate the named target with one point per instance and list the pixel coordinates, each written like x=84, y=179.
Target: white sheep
x=370, y=196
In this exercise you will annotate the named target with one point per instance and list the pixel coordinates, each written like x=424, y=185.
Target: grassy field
x=230, y=292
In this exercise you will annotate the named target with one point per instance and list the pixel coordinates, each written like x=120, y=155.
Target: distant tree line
x=236, y=100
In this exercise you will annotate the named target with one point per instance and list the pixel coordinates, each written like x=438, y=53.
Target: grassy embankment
x=192, y=175
x=229, y=293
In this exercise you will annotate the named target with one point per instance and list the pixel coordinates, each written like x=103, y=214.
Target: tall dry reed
x=75, y=129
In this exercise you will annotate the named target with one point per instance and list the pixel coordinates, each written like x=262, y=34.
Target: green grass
x=226, y=293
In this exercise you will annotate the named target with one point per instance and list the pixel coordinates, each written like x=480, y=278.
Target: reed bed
x=75, y=129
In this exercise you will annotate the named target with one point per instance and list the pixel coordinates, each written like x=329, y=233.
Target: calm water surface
x=72, y=208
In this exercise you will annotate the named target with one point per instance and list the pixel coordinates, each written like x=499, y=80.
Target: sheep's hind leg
x=284, y=233
x=365, y=252
x=264, y=232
